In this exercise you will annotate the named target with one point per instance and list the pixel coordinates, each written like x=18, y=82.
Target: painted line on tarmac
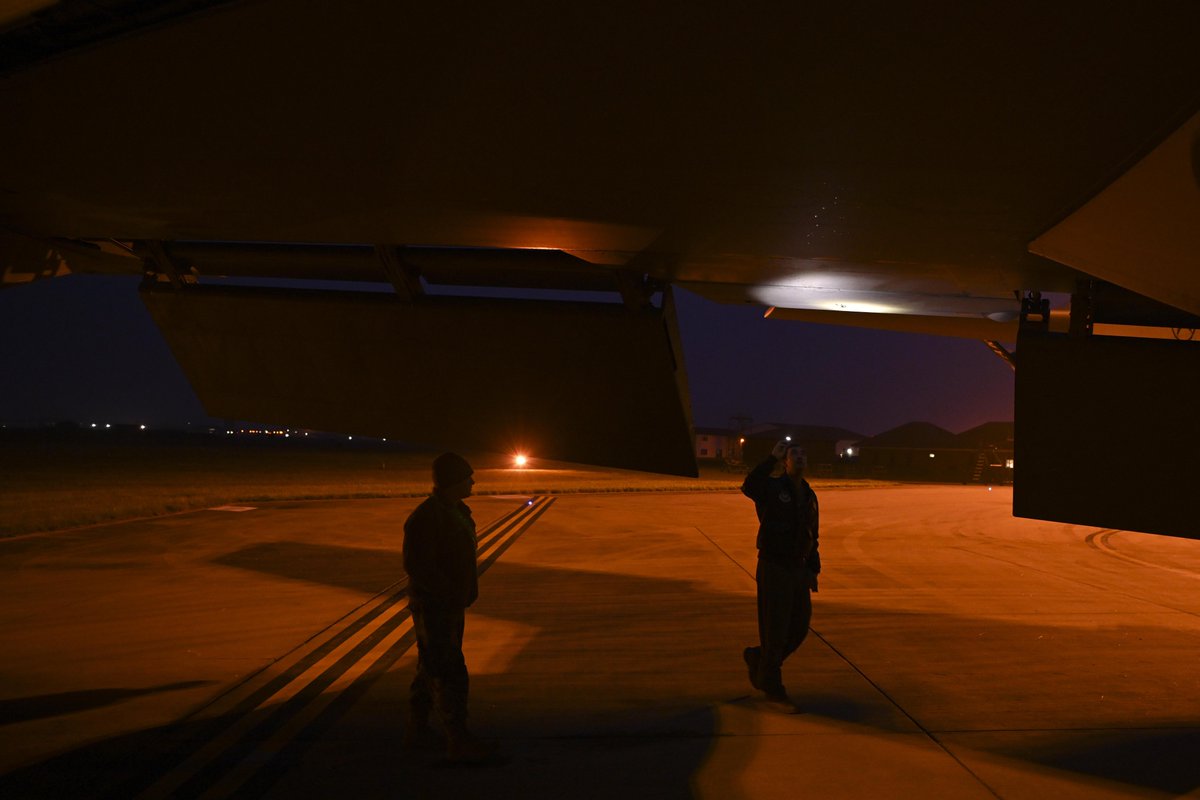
x=312, y=685
x=874, y=684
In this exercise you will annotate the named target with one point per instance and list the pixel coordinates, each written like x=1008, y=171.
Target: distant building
x=922, y=451
x=915, y=451
x=992, y=443
x=715, y=444
x=830, y=450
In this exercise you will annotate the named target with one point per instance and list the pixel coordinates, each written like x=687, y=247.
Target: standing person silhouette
x=443, y=581
x=788, y=564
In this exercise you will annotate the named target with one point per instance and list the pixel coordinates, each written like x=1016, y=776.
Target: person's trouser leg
x=420, y=691
x=801, y=615
x=441, y=679
x=439, y=634
x=776, y=597
x=784, y=614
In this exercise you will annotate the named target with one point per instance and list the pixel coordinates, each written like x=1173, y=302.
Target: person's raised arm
x=755, y=482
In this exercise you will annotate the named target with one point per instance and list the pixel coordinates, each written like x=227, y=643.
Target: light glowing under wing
x=868, y=162
x=824, y=157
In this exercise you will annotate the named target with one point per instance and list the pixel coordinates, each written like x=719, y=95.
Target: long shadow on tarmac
x=1153, y=759
x=618, y=727
x=24, y=709
x=590, y=704
x=358, y=568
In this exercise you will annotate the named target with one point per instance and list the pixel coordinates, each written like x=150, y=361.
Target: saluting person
x=788, y=564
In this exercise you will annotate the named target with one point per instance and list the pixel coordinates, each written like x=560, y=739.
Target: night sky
x=83, y=348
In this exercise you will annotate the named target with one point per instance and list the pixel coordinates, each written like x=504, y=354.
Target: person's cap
x=449, y=469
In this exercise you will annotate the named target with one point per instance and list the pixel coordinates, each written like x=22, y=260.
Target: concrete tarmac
x=956, y=652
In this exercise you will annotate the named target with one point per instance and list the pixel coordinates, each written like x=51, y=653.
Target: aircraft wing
x=914, y=166
x=875, y=156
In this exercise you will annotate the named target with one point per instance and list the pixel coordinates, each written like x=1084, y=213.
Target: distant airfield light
x=788, y=438
x=142, y=427
x=520, y=460
x=931, y=455
x=107, y=425
x=849, y=451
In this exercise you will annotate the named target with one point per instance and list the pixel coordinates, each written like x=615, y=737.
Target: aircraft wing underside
x=933, y=167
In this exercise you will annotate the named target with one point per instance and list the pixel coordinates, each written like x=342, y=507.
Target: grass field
x=51, y=485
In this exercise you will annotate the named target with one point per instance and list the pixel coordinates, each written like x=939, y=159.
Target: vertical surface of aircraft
x=937, y=167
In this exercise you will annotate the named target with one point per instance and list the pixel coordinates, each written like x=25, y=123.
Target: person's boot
x=418, y=735
x=752, y=656
x=463, y=748
x=777, y=694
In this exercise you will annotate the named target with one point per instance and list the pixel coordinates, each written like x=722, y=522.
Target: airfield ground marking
x=300, y=699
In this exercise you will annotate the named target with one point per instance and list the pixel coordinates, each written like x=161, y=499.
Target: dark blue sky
x=84, y=348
